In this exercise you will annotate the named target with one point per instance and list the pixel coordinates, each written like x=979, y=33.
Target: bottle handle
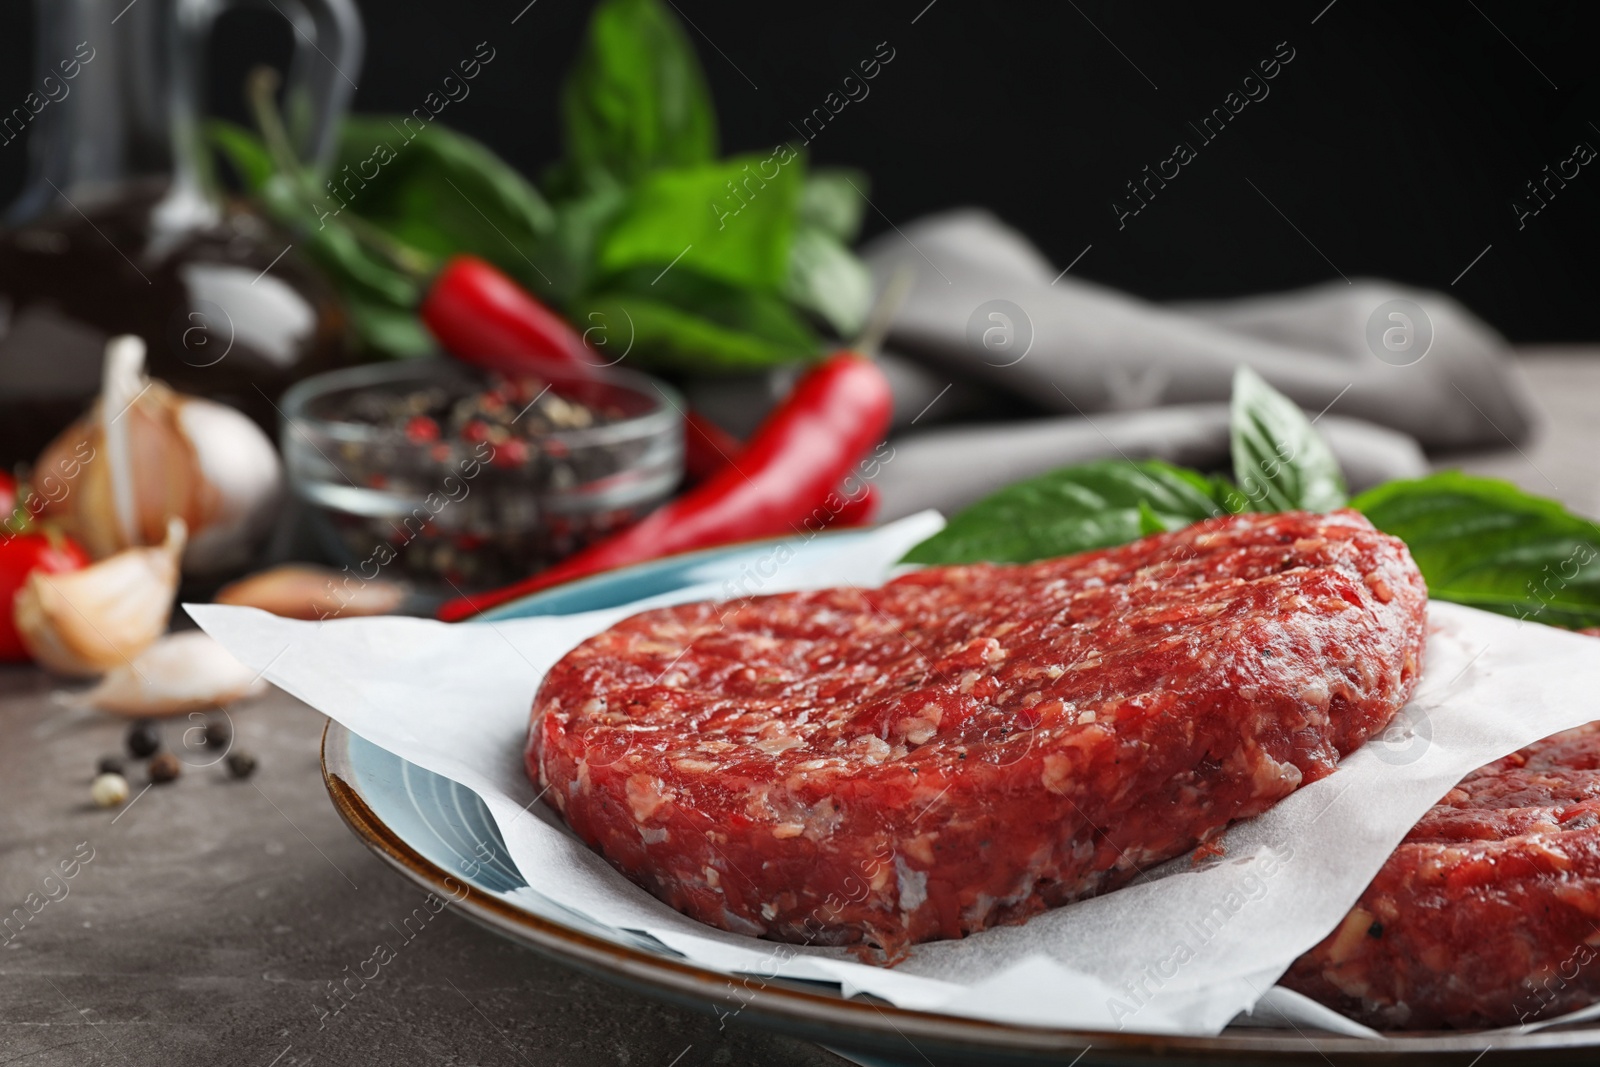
x=328, y=44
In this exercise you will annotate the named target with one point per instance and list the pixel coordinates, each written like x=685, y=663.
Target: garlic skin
x=240, y=465
x=180, y=673
x=153, y=454
x=301, y=591
x=86, y=622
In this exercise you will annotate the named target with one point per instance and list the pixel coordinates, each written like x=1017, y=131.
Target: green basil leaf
x=353, y=267
x=243, y=150
x=440, y=192
x=1149, y=522
x=745, y=331
x=395, y=332
x=1485, y=543
x=565, y=256
x=1279, y=460
x=834, y=200
x=380, y=299
x=636, y=99
x=1228, y=495
x=1075, y=509
x=733, y=220
x=826, y=279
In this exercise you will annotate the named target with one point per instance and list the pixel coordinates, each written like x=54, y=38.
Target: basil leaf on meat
x=1279, y=460
x=1074, y=509
x=1487, y=544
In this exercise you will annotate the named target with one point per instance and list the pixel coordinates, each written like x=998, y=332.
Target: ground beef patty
x=968, y=746
x=1488, y=914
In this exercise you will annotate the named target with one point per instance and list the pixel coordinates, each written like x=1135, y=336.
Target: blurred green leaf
x=440, y=192
x=380, y=297
x=717, y=265
x=733, y=220
x=834, y=200
x=243, y=149
x=357, y=268
x=1149, y=521
x=566, y=254
x=828, y=280
x=729, y=329
x=393, y=331
x=636, y=99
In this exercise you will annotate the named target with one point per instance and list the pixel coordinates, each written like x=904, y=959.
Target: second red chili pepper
x=484, y=318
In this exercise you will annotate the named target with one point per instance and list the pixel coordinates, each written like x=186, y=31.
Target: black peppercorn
x=241, y=764
x=111, y=765
x=164, y=767
x=218, y=732
x=144, y=739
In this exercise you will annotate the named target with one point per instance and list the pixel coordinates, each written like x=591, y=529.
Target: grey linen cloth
x=1135, y=379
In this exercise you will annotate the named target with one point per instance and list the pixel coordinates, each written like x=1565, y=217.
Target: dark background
x=1395, y=141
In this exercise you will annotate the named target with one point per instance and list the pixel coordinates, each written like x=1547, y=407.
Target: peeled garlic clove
x=179, y=673
x=145, y=453
x=298, y=591
x=86, y=622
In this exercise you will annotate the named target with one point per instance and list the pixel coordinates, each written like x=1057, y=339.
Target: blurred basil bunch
x=641, y=231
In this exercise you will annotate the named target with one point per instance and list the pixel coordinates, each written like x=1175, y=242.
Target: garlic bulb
x=144, y=454
x=86, y=622
x=179, y=673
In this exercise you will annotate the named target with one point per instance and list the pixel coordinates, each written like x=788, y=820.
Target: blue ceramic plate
x=429, y=828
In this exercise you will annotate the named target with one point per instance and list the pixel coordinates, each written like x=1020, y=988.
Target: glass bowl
x=457, y=515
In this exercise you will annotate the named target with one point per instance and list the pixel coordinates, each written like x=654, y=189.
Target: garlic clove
x=298, y=591
x=145, y=453
x=180, y=673
x=86, y=622
x=242, y=480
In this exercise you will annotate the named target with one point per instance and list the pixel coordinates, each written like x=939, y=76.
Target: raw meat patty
x=968, y=746
x=1488, y=914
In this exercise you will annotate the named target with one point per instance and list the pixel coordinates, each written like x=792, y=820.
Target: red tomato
x=20, y=555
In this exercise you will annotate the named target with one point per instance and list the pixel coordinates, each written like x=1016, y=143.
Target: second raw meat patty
x=1488, y=914
x=968, y=746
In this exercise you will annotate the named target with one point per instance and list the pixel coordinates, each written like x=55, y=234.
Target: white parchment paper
x=1186, y=949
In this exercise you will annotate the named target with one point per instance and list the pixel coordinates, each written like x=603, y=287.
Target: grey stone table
x=204, y=923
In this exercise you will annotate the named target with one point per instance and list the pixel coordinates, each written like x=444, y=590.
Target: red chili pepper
x=484, y=318
x=858, y=510
x=707, y=447
x=836, y=412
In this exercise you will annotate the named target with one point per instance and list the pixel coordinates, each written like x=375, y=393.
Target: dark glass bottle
x=121, y=230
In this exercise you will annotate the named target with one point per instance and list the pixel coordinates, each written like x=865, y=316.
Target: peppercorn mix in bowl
x=458, y=480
